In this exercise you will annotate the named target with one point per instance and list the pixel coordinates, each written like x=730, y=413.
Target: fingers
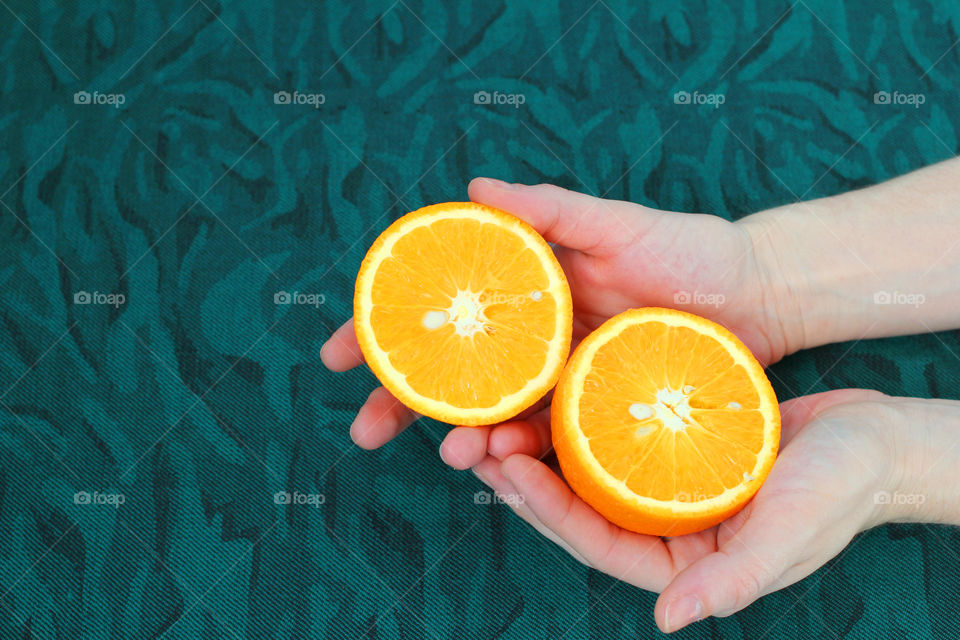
x=638, y=559
x=528, y=433
x=574, y=220
x=465, y=447
x=381, y=418
x=530, y=437
x=488, y=471
x=748, y=565
x=342, y=351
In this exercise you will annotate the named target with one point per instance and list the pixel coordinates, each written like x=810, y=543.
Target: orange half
x=463, y=312
x=664, y=422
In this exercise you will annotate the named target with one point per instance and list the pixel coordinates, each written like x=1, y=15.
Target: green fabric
x=196, y=398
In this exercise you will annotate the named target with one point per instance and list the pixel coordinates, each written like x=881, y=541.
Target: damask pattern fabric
x=188, y=189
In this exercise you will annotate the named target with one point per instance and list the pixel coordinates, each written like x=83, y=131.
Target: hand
x=616, y=255
x=834, y=460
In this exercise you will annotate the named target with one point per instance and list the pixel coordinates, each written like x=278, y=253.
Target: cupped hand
x=616, y=255
x=835, y=457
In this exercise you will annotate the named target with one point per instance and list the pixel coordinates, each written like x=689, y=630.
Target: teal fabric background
x=143, y=443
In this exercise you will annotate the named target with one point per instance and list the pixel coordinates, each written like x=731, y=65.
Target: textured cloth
x=188, y=190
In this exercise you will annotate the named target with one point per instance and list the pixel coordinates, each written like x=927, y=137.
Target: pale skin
x=875, y=262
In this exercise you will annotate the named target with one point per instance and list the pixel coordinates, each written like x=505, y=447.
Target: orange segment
x=463, y=312
x=664, y=422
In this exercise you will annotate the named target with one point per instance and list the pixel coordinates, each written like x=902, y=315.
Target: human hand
x=838, y=452
x=616, y=256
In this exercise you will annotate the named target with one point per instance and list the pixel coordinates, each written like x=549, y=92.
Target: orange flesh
x=664, y=422
x=718, y=444
x=425, y=273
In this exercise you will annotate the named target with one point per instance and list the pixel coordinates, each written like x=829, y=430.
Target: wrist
x=925, y=483
x=782, y=289
x=830, y=262
x=822, y=289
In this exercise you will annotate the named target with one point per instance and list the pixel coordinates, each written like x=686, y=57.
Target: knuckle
x=748, y=586
x=601, y=556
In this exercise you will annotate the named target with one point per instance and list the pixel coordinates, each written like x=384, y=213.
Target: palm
x=617, y=255
x=699, y=263
x=815, y=500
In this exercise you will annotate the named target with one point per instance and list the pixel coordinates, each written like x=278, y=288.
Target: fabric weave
x=189, y=189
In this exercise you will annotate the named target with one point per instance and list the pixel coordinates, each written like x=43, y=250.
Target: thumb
x=749, y=565
x=567, y=218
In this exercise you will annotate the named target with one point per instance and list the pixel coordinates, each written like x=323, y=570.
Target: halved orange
x=463, y=312
x=664, y=422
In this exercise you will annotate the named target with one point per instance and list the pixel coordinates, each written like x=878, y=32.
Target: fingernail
x=322, y=360
x=481, y=477
x=441, y=456
x=682, y=612
x=499, y=184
